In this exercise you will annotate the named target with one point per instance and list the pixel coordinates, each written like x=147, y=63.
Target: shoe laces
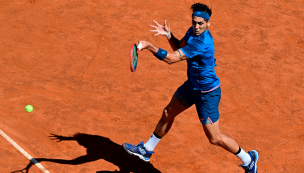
x=141, y=145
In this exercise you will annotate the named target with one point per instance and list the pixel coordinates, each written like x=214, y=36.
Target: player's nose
x=196, y=26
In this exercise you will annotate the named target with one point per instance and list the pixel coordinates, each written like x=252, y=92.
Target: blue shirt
x=201, y=62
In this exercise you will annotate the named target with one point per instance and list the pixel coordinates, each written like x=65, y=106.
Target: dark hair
x=201, y=7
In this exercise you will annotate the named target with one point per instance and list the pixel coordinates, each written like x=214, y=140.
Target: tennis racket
x=134, y=56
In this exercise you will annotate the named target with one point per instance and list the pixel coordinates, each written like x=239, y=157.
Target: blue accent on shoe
x=252, y=167
x=139, y=151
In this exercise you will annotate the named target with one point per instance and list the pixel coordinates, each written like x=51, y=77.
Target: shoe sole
x=135, y=154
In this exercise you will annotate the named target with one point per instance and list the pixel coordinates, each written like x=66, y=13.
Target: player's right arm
x=169, y=58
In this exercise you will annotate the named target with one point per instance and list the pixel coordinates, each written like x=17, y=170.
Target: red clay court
x=70, y=60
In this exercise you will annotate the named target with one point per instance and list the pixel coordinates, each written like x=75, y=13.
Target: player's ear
x=208, y=22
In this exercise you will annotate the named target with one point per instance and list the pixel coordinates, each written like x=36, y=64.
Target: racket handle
x=139, y=46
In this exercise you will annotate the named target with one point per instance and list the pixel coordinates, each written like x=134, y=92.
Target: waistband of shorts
x=211, y=89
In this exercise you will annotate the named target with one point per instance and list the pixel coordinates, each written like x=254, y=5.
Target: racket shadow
x=99, y=147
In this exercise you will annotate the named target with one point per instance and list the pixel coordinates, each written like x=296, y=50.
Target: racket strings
x=134, y=57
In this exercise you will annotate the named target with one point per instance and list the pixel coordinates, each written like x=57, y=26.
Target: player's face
x=200, y=25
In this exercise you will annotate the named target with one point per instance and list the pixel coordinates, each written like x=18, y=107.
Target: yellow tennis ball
x=29, y=108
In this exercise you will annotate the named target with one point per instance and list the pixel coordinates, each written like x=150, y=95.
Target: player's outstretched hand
x=160, y=29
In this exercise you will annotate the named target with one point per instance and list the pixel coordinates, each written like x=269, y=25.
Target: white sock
x=245, y=158
x=152, y=142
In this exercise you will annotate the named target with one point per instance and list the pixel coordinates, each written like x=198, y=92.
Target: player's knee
x=216, y=140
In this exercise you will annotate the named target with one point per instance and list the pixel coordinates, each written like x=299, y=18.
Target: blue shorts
x=206, y=103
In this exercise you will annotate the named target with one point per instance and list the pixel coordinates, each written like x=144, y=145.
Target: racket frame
x=132, y=66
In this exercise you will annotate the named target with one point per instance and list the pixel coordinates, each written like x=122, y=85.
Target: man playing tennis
x=202, y=88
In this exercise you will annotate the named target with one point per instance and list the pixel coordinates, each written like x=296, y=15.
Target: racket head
x=133, y=57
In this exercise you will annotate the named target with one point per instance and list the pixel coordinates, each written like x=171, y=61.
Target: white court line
x=24, y=152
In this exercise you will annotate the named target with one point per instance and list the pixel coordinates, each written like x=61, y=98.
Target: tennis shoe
x=139, y=151
x=252, y=166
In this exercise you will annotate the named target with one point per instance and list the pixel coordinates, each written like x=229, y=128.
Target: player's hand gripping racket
x=134, y=56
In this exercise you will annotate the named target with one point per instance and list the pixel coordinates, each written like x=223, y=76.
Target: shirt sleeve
x=186, y=37
x=194, y=48
x=188, y=33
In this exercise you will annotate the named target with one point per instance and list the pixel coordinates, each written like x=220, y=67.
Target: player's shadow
x=99, y=147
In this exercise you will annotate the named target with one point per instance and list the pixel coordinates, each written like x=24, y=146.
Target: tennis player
x=201, y=89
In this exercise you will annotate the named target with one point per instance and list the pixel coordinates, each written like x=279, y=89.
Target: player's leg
x=215, y=137
x=173, y=109
x=145, y=150
x=249, y=160
x=207, y=108
x=180, y=101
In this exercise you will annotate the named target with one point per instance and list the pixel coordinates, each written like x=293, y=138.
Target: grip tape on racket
x=139, y=46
